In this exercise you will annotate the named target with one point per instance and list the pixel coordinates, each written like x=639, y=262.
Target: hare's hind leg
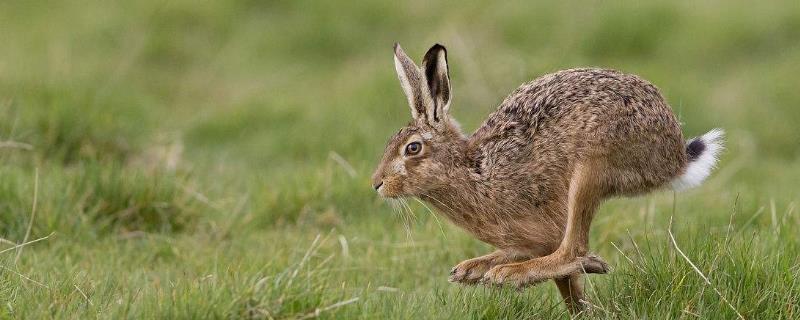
x=472, y=270
x=571, y=290
x=587, y=189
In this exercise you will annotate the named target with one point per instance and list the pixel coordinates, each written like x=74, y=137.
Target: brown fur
x=530, y=179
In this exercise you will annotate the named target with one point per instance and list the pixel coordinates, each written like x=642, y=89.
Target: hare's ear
x=437, y=77
x=411, y=81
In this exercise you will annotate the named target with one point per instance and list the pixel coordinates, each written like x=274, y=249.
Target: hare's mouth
x=381, y=189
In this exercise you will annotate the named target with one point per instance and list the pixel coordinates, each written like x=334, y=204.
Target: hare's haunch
x=530, y=179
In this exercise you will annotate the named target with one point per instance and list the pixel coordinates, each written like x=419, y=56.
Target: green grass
x=212, y=160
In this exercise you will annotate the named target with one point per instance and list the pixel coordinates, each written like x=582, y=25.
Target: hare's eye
x=413, y=148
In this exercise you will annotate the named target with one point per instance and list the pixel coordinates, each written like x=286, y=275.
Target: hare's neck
x=460, y=192
x=460, y=196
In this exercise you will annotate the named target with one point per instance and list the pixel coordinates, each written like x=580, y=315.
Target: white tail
x=703, y=152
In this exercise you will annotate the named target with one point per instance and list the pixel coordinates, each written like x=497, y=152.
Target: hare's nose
x=378, y=185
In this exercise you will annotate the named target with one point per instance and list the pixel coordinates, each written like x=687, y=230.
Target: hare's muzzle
x=377, y=178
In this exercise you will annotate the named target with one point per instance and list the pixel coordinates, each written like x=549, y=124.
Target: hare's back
x=547, y=125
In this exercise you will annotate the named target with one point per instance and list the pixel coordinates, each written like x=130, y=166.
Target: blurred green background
x=184, y=156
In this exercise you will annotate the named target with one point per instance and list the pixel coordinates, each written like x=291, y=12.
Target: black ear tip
x=396, y=46
x=435, y=50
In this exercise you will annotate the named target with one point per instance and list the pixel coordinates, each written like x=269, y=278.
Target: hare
x=530, y=179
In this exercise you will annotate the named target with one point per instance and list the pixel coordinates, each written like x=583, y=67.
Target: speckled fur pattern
x=529, y=180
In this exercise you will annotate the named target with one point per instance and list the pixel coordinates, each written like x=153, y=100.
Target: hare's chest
x=512, y=226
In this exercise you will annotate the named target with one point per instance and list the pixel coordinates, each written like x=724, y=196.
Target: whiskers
x=399, y=206
x=441, y=229
x=406, y=212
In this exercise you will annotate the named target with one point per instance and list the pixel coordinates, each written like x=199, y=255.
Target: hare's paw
x=472, y=270
x=533, y=271
x=516, y=274
x=593, y=264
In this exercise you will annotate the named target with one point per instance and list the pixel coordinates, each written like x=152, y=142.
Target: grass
x=212, y=159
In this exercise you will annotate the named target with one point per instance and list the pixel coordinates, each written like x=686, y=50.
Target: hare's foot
x=533, y=271
x=472, y=270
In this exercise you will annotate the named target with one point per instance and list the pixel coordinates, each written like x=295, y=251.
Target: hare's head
x=421, y=155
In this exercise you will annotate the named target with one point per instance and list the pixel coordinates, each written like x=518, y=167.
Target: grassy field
x=190, y=159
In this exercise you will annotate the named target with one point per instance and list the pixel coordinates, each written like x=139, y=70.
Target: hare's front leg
x=472, y=270
x=587, y=189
